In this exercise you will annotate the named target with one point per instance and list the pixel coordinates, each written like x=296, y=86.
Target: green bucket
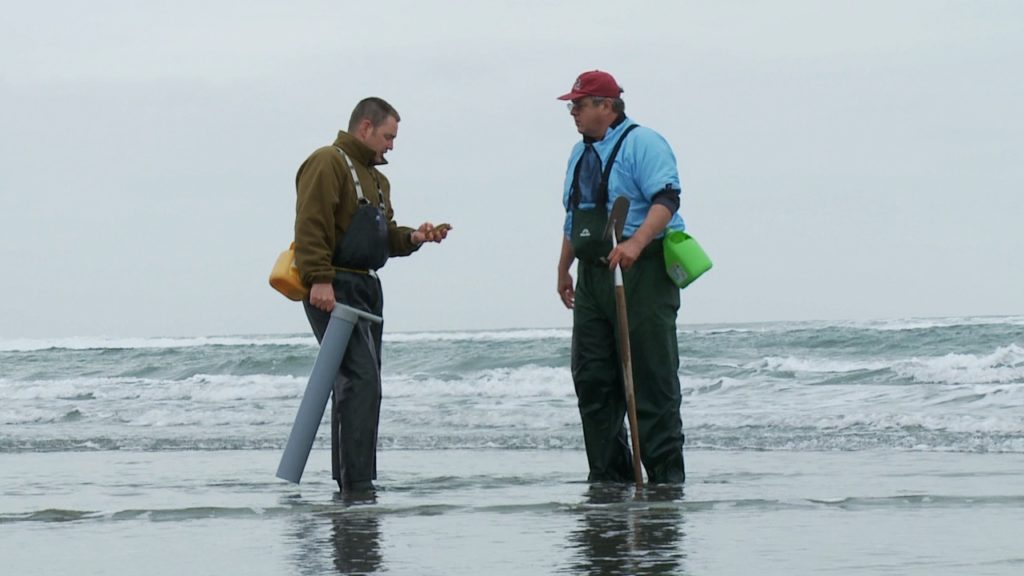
x=685, y=260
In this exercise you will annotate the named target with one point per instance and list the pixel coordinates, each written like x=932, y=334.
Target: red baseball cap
x=594, y=83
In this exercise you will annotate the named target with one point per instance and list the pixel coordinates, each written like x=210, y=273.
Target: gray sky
x=839, y=160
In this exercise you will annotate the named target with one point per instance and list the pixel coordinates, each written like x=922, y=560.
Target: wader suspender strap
x=574, y=200
x=355, y=178
x=361, y=200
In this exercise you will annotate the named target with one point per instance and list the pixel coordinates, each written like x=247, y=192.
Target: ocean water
x=883, y=447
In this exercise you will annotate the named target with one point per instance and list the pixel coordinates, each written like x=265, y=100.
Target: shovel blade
x=617, y=219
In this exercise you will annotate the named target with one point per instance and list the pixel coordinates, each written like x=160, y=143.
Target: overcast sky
x=839, y=160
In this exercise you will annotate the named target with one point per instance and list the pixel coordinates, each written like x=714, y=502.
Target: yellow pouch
x=284, y=276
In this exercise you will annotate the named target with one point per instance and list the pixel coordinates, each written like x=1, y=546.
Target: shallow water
x=512, y=512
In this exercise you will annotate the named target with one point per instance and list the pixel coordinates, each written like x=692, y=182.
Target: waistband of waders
x=652, y=250
x=370, y=273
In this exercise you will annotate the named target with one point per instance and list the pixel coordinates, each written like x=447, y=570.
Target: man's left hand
x=427, y=232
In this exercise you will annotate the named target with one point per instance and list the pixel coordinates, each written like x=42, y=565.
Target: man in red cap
x=617, y=157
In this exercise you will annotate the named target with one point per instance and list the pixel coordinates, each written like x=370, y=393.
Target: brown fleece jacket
x=326, y=203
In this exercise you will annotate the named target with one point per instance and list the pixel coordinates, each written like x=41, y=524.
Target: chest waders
x=589, y=244
x=595, y=366
x=596, y=361
x=356, y=398
x=364, y=246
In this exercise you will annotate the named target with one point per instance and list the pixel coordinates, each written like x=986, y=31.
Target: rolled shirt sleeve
x=650, y=177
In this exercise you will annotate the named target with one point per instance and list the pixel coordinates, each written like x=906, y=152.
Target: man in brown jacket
x=344, y=232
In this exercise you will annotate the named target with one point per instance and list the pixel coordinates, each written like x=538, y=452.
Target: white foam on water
x=475, y=392
x=1004, y=365
x=480, y=336
x=881, y=325
x=42, y=390
x=817, y=365
x=526, y=381
x=226, y=387
x=212, y=417
x=899, y=324
x=694, y=385
x=30, y=415
x=101, y=343
x=104, y=343
x=826, y=422
x=305, y=339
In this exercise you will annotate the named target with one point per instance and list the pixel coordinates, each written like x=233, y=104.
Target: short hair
x=618, y=105
x=374, y=109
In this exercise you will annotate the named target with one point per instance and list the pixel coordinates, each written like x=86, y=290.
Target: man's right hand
x=322, y=296
x=565, y=289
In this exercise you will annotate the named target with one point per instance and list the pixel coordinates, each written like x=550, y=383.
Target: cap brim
x=571, y=96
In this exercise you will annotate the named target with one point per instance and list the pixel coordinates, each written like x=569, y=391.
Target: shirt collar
x=359, y=153
x=618, y=122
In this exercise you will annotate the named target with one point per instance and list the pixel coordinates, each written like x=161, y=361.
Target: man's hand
x=427, y=232
x=565, y=290
x=322, y=296
x=625, y=254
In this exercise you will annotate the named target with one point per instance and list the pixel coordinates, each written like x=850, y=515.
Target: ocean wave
x=208, y=420
x=73, y=389
x=761, y=387
x=901, y=324
x=510, y=335
x=200, y=387
x=768, y=439
x=1004, y=365
x=765, y=438
x=302, y=340
x=481, y=336
x=101, y=343
x=251, y=387
x=874, y=325
x=817, y=365
x=523, y=382
x=57, y=515
x=30, y=415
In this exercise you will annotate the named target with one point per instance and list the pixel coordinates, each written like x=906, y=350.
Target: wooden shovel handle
x=627, y=369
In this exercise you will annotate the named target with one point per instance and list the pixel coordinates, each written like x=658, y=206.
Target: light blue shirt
x=644, y=166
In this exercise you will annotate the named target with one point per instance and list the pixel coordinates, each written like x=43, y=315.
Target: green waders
x=652, y=302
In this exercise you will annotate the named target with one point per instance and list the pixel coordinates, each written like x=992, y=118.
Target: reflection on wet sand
x=622, y=532
x=355, y=533
x=353, y=540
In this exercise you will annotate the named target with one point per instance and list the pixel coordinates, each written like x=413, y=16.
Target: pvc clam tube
x=318, y=391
